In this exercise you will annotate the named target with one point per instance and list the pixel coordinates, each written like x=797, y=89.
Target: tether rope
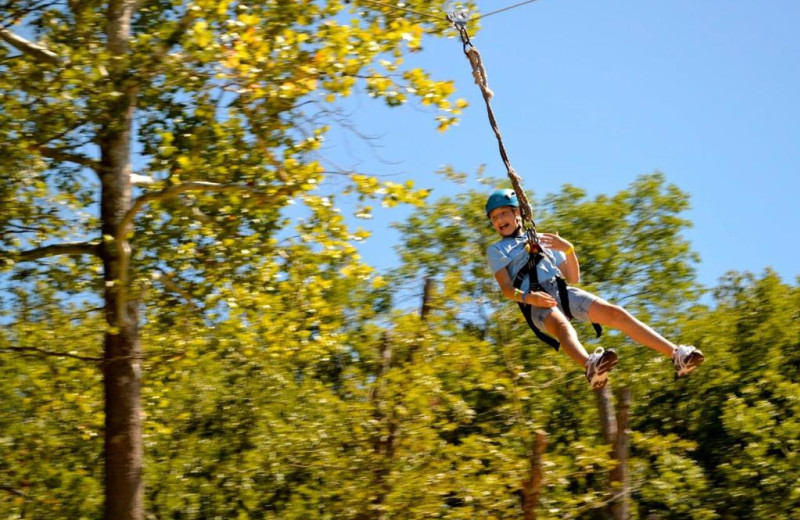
x=459, y=21
x=479, y=73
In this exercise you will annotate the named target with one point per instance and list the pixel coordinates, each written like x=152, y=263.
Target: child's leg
x=556, y=324
x=616, y=317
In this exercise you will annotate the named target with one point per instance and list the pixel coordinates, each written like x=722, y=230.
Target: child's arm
x=537, y=299
x=570, y=268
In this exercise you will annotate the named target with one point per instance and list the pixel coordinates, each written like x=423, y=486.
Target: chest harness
x=529, y=271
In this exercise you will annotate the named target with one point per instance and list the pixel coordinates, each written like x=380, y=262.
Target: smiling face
x=505, y=220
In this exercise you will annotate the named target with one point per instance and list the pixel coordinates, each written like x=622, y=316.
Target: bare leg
x=616, y=317
x=559, y=326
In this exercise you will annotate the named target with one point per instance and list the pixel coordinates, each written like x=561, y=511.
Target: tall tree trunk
x=614, y=426
x=620, y=476
x=608, y=415
x=384, y=442
x=533, y=484
x=124, y=486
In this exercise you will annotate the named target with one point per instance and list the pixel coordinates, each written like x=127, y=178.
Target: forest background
x=191, y=330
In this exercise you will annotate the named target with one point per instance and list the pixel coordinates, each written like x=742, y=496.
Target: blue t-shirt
x=509, y=253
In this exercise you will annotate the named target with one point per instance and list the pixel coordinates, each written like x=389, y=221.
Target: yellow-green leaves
x=257, y=313
x=390, y=193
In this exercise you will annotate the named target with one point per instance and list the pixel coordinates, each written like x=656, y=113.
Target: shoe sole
x=607, y=362
x=695, y=360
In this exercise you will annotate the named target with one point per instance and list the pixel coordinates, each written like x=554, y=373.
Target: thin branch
x=29, y=48
x=44, y=352
x=59, y=155
x=167, y=279
x=11, y=18
x=74, y=248
x=12, y=491
x=16, y=229
x=23, y=229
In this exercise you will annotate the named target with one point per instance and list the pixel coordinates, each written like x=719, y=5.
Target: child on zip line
x=535, y=281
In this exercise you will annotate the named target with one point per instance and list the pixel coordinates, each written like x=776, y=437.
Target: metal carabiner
x=459, y=20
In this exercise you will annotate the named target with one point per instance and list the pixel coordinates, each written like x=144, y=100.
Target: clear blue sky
x=595, y=93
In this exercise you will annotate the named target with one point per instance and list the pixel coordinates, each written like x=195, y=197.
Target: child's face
x=505, y=220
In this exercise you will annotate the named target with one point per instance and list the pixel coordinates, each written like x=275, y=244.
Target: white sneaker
x=686, y=358
x=599, y=365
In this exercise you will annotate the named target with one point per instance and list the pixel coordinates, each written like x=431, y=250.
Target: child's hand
x=553, y=241
x=540, y=299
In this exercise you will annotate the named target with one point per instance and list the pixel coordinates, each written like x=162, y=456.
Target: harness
x=459, y=20
x=529, y=271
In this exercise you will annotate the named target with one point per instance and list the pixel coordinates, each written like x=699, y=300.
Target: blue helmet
x=501, y=198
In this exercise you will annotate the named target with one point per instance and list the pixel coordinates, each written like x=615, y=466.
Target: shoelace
x=682, y=356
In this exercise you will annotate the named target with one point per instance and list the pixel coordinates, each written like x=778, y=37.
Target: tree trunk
x=124, y=486
x=427, y=289
x=608, y=416
x=533, y=484
x=384, y=443
x=614, y=426
x=620, y=477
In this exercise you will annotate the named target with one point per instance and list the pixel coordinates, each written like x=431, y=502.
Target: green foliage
x=231, y=93
x=282, y=377
x=745, y=425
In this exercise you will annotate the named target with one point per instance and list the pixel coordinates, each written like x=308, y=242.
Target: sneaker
x=599, y=365
x=686, y=358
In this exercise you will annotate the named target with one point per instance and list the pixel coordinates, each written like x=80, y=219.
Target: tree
x=219, y=107
x=632, y=252
x=745, y=425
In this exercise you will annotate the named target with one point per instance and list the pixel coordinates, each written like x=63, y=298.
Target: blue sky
x=597, y=93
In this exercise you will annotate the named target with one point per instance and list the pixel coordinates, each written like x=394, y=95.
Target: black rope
x=459, y=19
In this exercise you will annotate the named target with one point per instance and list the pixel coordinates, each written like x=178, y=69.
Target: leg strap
x=529, y=270
x=526, y=311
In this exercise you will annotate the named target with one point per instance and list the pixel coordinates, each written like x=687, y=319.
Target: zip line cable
x=510, y=7
x=404, y=9
x=442, y=18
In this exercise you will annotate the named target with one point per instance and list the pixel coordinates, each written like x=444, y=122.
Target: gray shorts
x=579, y=303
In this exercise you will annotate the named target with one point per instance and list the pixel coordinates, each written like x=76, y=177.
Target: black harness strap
x=529, y=270
x=526, y=309
x=564, y=296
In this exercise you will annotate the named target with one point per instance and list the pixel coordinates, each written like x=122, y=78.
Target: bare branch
x=16, y=229
x=12, y=17
x=43, y=352
x=59, y=155
x=167, y=279
x=11, y=490
x=29, y=48
x=74, y=248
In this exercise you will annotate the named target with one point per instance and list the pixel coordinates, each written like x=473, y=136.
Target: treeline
x=308, y=386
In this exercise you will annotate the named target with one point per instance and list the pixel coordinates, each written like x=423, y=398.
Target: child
x=539, y=291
